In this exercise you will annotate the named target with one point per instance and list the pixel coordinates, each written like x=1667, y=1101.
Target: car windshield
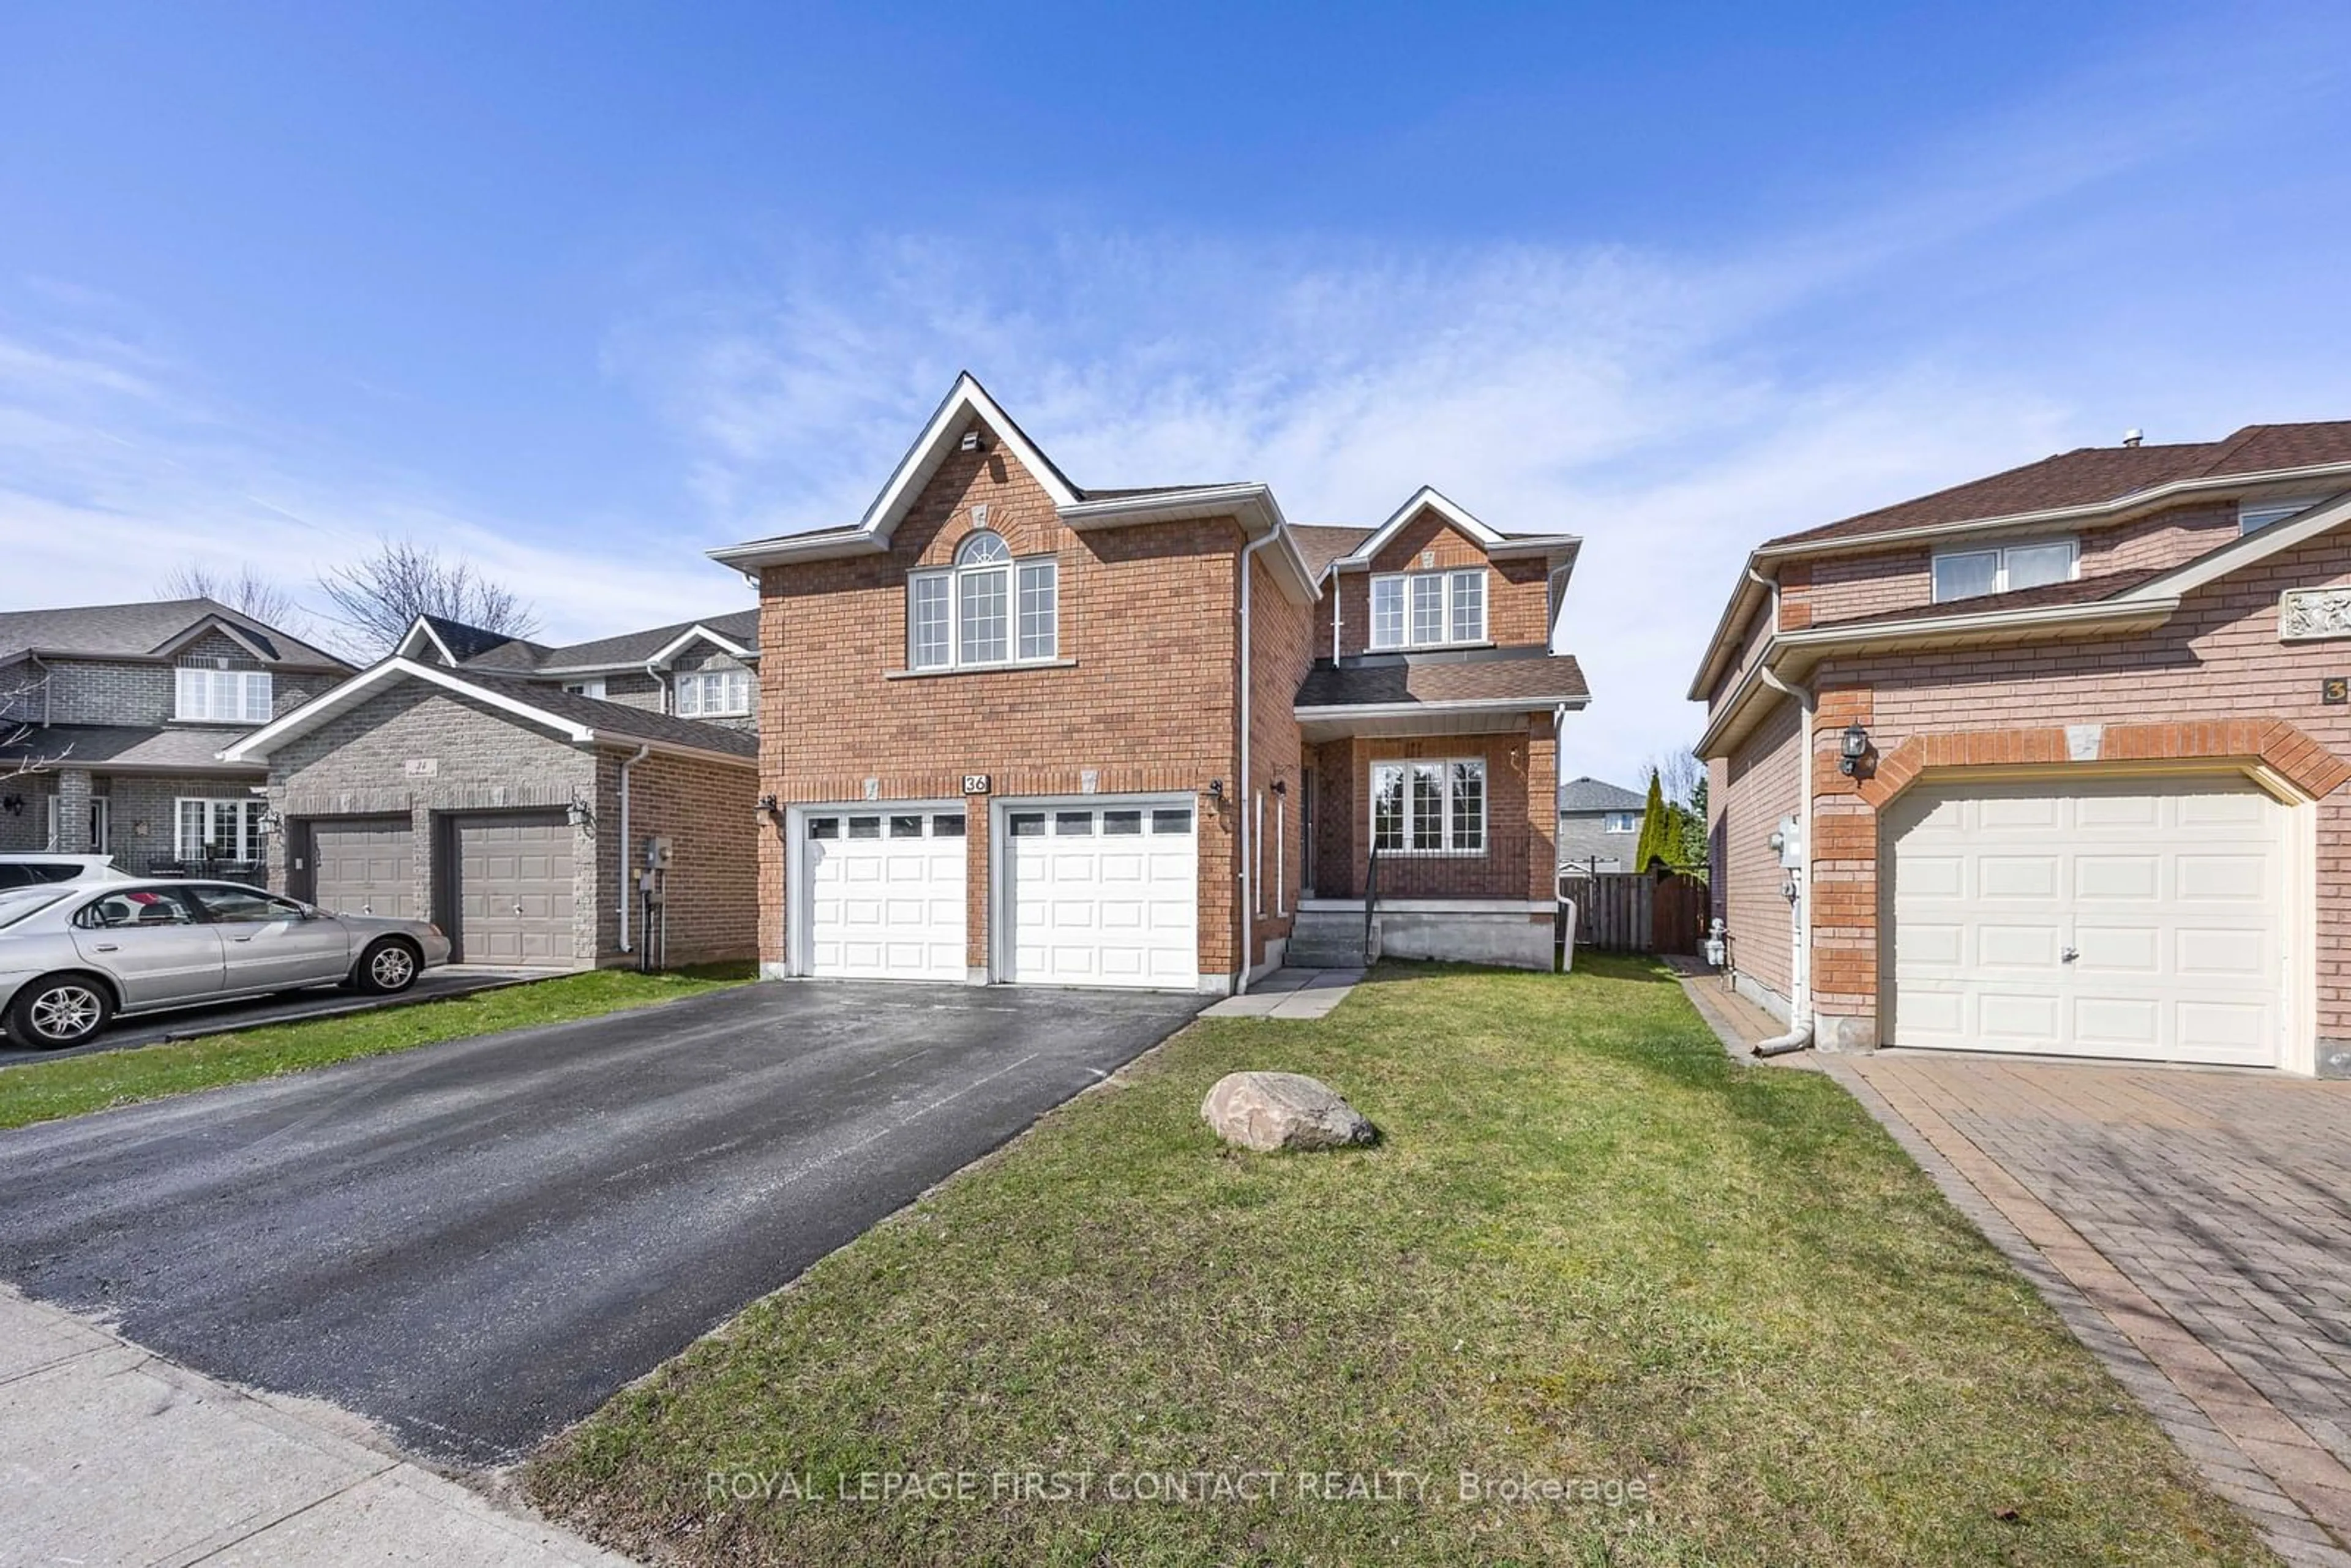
x=18, y=902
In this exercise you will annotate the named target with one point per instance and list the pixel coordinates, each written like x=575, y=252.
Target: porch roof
x=1405, y=694
x=130, y=749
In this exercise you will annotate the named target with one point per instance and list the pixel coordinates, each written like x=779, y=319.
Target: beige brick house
x=1016, y=731
x=2052, y=762
x=549, y=807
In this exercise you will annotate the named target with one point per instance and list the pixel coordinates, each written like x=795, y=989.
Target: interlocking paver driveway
x=2219, y=1201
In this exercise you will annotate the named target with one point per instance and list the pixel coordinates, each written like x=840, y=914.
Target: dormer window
x=2004, y=568
x=1429, y=609
x=209, y=691
x=986, y=609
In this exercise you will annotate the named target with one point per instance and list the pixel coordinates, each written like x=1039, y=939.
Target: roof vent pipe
x=2133, y=437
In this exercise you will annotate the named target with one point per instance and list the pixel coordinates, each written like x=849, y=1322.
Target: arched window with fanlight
x=986, y=609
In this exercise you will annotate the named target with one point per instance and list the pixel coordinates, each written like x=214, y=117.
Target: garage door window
x=905, y=827
x=864, y=827
x=1177, y=819
x=947, y=825
x=1073, y=824
x=1027, y=824
x=1121, y=825
x=824, y=827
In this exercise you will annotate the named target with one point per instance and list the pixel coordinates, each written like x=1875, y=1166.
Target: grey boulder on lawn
x=74, y=956
x=1275, y=1110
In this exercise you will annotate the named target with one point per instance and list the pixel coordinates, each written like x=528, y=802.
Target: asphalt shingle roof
x=137, y=630
x=1596, y=795
x=618, y=719
x=1320, y=544
x=2092, y=475
x=178, y=748
x=1534, y=676
x=2082, y=591
x=740, y=626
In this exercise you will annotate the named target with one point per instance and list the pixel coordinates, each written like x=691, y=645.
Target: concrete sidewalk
x=109, y=1454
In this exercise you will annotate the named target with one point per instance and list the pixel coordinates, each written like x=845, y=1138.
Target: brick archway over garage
x=1845, y=850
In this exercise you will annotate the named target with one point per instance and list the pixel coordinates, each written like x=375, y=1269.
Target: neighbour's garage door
x=514, y=894
x=886, y=894
x=363, y=865
x=1104, y=895
x=2133, y=918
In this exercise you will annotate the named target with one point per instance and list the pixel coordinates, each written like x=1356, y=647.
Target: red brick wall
x=1756, y=788
x=1149, y=619
x=1521, y=815
x=1281, y=649
x=1518, y=591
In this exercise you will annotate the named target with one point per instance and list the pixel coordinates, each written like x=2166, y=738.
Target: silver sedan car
x=72, y=957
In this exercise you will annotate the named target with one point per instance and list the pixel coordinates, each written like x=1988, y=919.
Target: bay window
x=986, y=609
x=208, y=694
x=1429, y=807
x=1429, y=609
x=218, y=830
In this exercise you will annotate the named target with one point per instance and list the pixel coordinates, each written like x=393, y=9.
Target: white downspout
x=1800, y=1023
x=642, y=752
x=1244, y=793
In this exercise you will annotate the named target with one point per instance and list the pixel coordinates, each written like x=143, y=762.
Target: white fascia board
x=686, y=639
x=1463, y=704
x=1515, y=545
x=1427, y=496
x=2243, y=552
x=872, y=534
x=360, y=688
x=1736, y=614
x=619, y=741
x=423, y=629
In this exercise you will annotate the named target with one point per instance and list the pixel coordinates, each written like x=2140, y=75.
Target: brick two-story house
x=114, y=715
x=1015, y=730
x=2052, y=762
x=555, y=807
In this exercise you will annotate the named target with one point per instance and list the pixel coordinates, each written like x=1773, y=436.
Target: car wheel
x=58, y=1010
x=386, y=967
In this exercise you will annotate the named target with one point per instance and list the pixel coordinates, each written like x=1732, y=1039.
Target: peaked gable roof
x=1588, y=794
x=457, y=642
x=582, y=720
x=151, y=629
x=737, y=633
x=1428, y=498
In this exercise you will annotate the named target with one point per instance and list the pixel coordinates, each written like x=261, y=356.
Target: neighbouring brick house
x=2051, y=762
x=1599, y=826
x=1134, y=737
x=559, y=807
x=123, y=709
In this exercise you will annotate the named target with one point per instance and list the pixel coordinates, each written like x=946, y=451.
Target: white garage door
x=1104, y=895
x=886, y=894
x=2139, y=919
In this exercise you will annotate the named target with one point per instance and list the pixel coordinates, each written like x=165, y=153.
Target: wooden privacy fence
x=1635, y=911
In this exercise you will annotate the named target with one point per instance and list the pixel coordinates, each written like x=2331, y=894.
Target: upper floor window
x=592, y=686
x=1429, y=609
x=986, y=609
x=1970, y=574
x=713, y=693
x=222, y=697
x=2254, y=515
x=1622, y=823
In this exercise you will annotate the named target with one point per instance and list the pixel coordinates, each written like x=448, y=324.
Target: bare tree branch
x=18, y=755
x=247, y=592
x=377, y=599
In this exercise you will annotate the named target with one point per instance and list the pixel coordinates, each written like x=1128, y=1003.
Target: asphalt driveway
x=475, y=1243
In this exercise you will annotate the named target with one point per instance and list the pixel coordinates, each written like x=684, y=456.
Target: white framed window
x=210, y=695
x=1621, y=822
x=712, y=693
x=1429, y=609
x=2001, y=569
x=591, y=686
x=986, y=609
x=218, y=830
x=1429, y=807
x=2252, y=517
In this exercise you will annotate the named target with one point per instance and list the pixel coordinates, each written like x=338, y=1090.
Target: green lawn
x=41, y=1091
x=1589, y=1250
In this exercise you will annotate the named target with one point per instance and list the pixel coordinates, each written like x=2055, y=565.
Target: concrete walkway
x=1289, y=993
x=109, y=1454
x=2192, y=1227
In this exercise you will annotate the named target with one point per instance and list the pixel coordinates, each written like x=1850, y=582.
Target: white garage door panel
x=886, y=894
x=1104, y=895
x=2168, y=893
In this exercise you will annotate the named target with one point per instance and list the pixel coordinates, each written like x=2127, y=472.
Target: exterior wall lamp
x=577, y=814
x=1853, y=747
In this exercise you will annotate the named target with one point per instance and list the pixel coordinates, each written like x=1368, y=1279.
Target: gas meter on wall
x=657, y=855
x=1788, y=837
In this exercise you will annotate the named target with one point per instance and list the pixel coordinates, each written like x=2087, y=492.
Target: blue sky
x=582, y=290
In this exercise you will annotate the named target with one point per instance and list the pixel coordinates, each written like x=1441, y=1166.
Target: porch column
x=73, y=811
